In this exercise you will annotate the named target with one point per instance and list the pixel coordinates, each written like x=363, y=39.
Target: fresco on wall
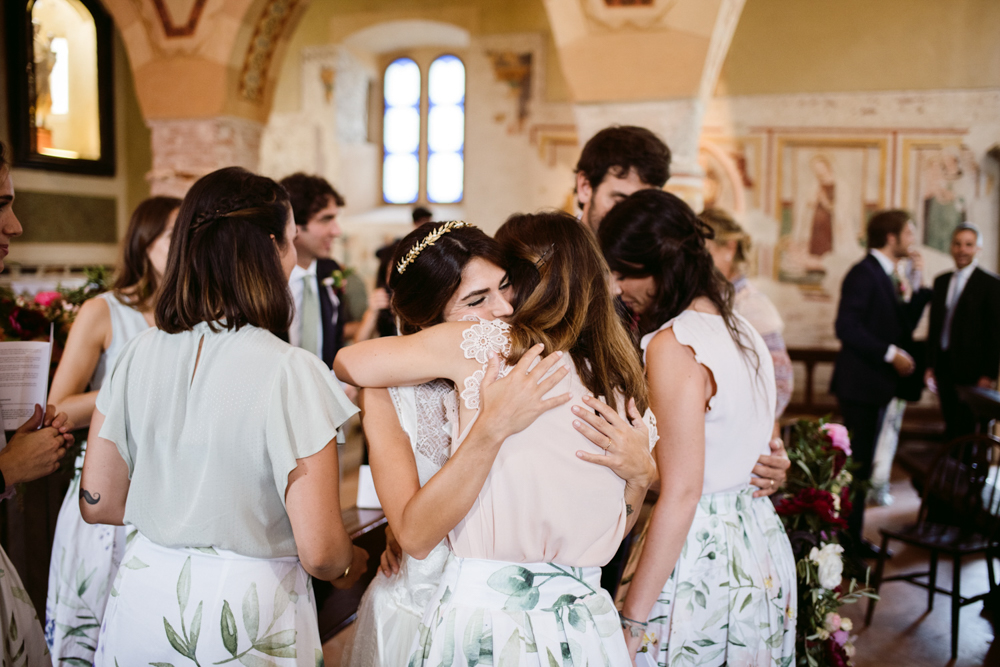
x=732, y=173
x=826, y=191
x=514, y=69
x=941, y=179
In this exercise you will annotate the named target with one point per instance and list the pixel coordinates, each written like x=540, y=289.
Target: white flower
x=831, y=565
x=846, y=624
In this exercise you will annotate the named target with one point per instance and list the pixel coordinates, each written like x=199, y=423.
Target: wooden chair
x=958, y=518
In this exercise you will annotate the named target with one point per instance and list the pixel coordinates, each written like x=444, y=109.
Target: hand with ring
x=771, y=471
x=631, y=459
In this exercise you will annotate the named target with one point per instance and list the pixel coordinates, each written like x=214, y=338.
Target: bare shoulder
x=667, y=354
x=94, y=319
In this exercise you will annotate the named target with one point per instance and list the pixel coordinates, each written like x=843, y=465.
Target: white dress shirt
x=297, y=287
x=959, y=279
x=889, y=267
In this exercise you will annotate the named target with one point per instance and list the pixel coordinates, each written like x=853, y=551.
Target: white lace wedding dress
x=392, y=607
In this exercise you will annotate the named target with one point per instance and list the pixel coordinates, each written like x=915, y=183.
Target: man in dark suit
x=874, y=323
x=964, y=337
x=320, y=312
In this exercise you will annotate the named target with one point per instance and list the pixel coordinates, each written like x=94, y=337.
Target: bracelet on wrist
x=634, y=627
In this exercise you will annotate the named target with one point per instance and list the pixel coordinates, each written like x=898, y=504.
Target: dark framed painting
x=60, y=85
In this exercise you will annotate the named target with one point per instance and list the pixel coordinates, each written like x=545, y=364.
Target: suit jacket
x=869, y=319
x=974, y=345
x=332, y=312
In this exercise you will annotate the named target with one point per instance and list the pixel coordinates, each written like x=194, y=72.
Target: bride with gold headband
x=423, y=490
x=524, y=579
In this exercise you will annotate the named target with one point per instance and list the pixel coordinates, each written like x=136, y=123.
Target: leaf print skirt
x=22, y=643
x=731, y=598
x=488, y=612
x=205, y=606
x=84, y=562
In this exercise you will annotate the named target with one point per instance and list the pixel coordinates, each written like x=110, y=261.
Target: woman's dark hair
x=420, y=294
x=4, y=164
x=224, y=267
x=562, y=298
x=136, y=281
x=653, y=233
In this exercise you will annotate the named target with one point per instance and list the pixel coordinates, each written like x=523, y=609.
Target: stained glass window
x=446, y=130
x=401, y=132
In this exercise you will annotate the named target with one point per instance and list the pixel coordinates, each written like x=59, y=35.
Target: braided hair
x=655, y=234
x=224, y=266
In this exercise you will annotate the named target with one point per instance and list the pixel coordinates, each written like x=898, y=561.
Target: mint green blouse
x=209, y=450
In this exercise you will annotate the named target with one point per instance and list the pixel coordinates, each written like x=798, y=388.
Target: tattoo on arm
x=628, y=508
x=93, y=499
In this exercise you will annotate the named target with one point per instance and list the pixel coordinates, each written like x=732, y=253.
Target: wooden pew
x=338, y=608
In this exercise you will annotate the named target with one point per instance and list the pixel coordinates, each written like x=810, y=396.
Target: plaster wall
x=759, y=149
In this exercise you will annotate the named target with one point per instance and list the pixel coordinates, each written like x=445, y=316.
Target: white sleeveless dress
x=392, y=607
x=85, y=557
x=731, y=598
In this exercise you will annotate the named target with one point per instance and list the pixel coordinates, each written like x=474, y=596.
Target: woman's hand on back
x=625, y=442
x=512, y=403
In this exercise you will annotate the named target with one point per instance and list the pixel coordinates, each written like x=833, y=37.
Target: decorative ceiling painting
x=171, y=12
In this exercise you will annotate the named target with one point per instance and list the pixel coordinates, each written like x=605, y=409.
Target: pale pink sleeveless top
x=540, y=502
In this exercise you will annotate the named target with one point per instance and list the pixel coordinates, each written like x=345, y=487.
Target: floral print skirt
x=731, y=598
x=22, y=643
x=84, y=562
x=206, y=606
x=514, y=614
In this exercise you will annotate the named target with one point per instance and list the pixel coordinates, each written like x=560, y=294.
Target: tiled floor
x=902, y=634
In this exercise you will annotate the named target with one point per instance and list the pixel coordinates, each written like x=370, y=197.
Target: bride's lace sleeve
x=478, y=341
x=650, y=420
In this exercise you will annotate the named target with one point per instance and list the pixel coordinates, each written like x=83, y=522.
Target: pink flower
x=46, y=299
x=840, y=637
x=832, y=622
x=837, y=434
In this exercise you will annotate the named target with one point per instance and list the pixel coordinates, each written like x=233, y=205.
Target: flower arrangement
x=813, y=509
x=26, y=318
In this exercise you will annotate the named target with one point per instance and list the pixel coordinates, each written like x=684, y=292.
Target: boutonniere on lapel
x=337, y=280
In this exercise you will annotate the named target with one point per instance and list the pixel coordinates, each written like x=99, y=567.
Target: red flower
x=812, y=500
x=46, y=299
x=838, y=657
x=28, y=324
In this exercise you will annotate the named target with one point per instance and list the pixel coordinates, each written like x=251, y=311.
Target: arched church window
x=401, y=132
x=423, y=131
x=446, y=130
x=60, y=85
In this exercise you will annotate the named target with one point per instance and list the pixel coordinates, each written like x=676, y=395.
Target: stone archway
x=204, y=73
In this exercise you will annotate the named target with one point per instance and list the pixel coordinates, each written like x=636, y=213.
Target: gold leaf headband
x=429, y=241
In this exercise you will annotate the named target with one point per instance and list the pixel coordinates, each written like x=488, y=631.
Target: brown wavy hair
x=223, y=267
x=562, y=298
x=136, y=275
